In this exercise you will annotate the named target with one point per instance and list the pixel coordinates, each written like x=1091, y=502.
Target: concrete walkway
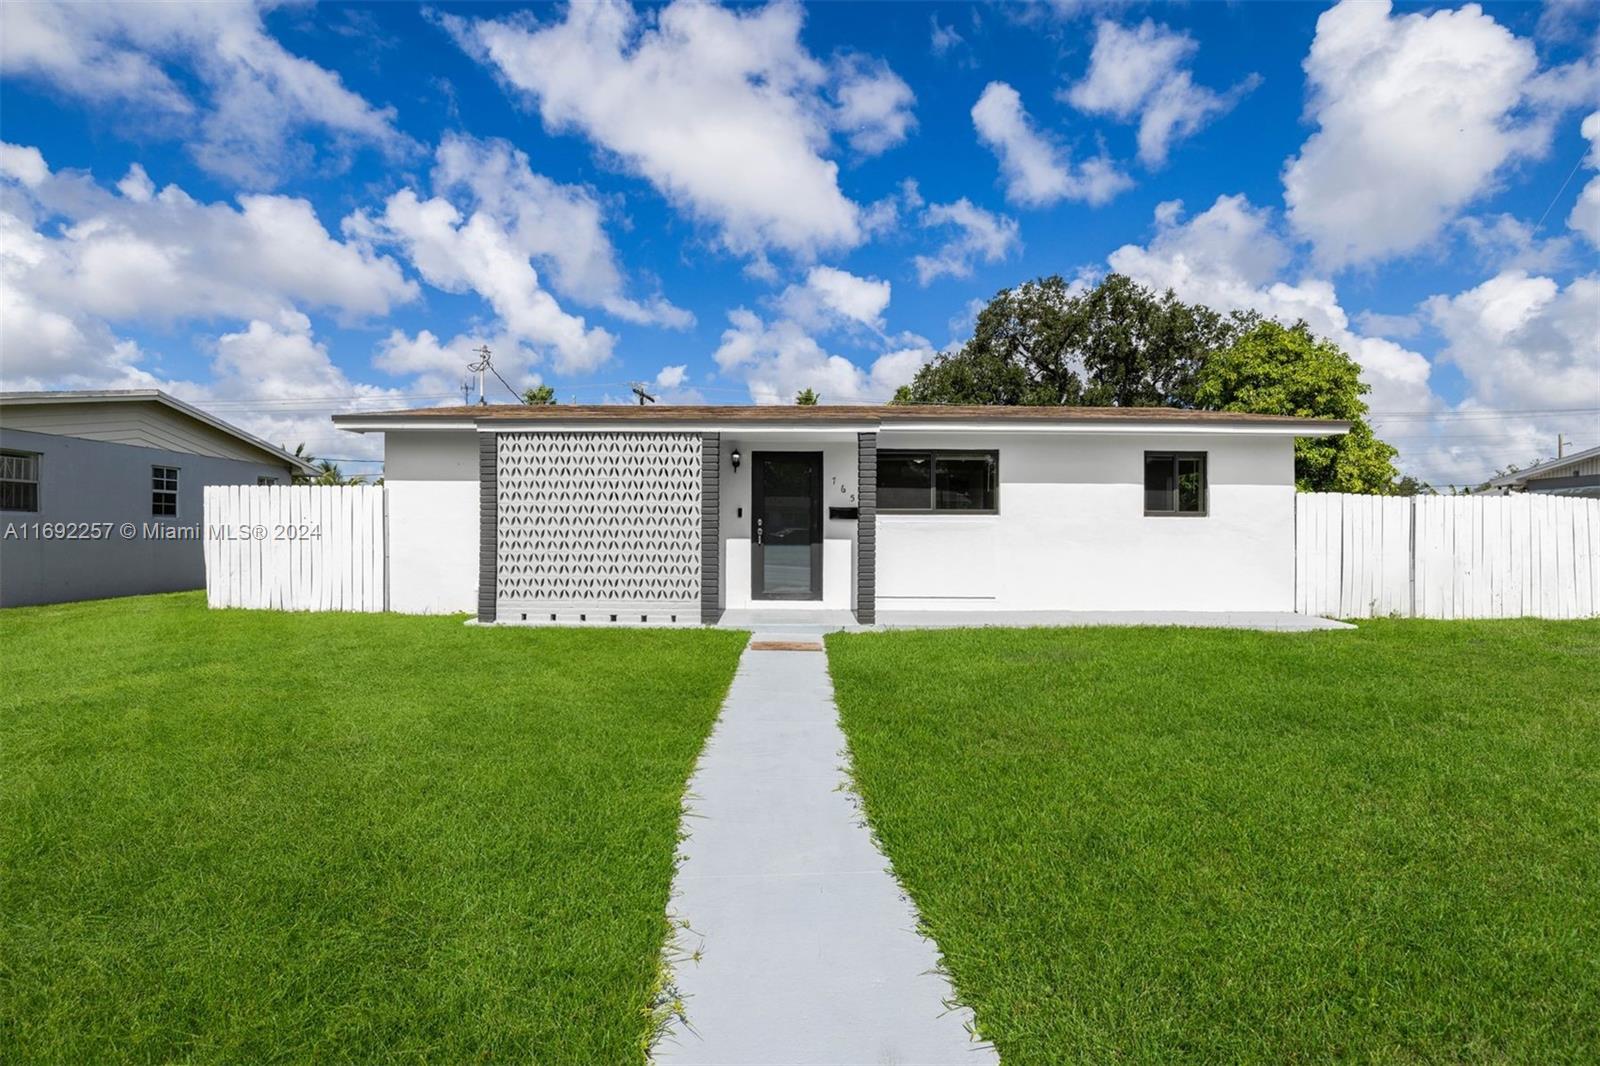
x=808, y=949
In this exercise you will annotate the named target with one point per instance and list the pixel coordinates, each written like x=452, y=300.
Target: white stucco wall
x=432, y=481
x=1072, y=534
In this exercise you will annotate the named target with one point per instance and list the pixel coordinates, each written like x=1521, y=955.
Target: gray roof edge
x=1544, y=467
x=166, y=400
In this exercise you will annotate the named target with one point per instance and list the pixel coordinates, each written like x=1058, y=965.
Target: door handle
x=758, y=531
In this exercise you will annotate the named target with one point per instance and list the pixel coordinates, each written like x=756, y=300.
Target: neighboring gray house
x=1577, y=474
x=100, y=492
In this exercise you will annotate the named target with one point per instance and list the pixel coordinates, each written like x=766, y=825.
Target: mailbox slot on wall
x=851, y=513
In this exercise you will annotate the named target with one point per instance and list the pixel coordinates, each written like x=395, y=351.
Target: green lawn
x=1211, y=846
x=251, y=837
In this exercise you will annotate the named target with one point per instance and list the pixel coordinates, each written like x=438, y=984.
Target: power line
x=1557, y=196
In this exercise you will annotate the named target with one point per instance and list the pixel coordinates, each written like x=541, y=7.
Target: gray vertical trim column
x=867, y=528
x=710, y=528
x=488, y=522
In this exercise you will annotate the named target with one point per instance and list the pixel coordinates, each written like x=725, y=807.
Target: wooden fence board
x=1447, y=557
x=257, y=557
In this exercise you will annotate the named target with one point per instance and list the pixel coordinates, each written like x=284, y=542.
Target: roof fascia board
x=1293, y=429
x=360, y=424
x=366, y=424
x=508, y=425
x=172, y=403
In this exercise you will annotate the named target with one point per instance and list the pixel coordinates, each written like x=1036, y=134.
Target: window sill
x=1177, y=514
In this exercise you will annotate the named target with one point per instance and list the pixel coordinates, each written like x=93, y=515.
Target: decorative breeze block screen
x=598, y=520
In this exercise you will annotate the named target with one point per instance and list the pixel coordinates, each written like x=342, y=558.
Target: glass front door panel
x=788, y=524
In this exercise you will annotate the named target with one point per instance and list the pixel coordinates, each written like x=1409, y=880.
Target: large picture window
x=927, y=482
x=1174, y=483
x=19, y=481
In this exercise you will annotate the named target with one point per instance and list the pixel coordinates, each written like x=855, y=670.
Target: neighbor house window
x=163, y=490
x=1174, y=483
x=19, y=481
x=938, y=481
x=264, y=480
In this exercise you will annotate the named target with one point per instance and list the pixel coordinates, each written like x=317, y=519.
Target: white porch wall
x=1072, y=535
x=839, y=536
x=432, y=481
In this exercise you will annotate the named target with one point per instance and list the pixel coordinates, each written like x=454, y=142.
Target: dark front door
x=786, y=526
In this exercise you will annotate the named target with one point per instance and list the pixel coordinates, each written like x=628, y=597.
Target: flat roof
x=825, y=415
x=156, y=396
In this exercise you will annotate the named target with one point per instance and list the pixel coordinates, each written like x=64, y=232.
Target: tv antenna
x=483, y=363
x=639, y=391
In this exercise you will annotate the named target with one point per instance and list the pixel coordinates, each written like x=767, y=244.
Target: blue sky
x=285, y=210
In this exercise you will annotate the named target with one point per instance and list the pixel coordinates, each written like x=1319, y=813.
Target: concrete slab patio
x=819, y=622
x=808, y=950
x=1276, y=621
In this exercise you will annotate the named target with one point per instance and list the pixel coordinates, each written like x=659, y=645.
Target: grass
x=1212, y=846
x=258, y=837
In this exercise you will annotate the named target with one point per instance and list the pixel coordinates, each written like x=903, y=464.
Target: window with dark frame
x=264, y=480
x=19, y=481
x=938, y=482
x=1175, y=483
x=164, y=490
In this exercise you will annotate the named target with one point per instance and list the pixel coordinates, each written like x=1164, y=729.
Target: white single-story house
x=100, y=491
x=677, y=514
x=1577, y=474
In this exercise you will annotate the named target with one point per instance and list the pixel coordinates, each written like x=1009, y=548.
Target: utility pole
x=1561, y=445
x=639, y=391
x=466, y=391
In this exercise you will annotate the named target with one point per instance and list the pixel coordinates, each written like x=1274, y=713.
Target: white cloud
x=560, y=227
x=1523, y=341
x=1138, y=72
x=1585, y=215
x=776, y=360
x=831, y=295
x=1229, y=257
x=276, y=380
x=1037, y=172
x=461, y=254
x=672, y=377
x=723, y=111
x=874, y=108
x=1505, y=242
x=1393, y=326
x=979, y=234
x=77, y=257
x=1417, y=116
x=942, y=39
x=254, y=96
x=23, y=164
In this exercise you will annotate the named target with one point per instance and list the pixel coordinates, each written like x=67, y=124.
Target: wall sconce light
x=734, y=458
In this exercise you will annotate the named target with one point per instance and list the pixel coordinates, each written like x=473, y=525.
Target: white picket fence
x=296, y=547
x=1526, y=555
x=324, y=548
